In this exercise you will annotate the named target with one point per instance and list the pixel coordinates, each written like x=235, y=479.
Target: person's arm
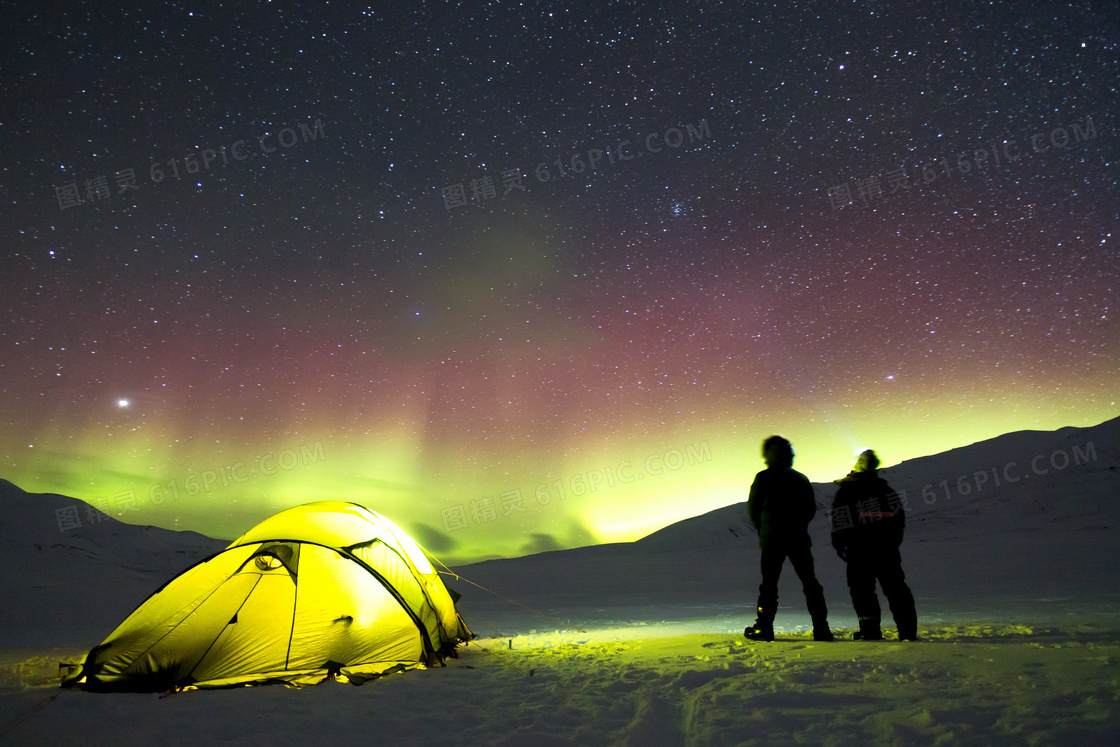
x=809, y=500
x=839, y=536
x=898, y=524
x=754, y=504
x=897, y=521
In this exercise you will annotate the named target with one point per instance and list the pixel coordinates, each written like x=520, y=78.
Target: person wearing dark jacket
x=867, y=526
x=780, y=507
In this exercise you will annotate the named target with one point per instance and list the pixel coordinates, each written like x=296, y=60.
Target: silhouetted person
x=780, y=507
x=867, y=526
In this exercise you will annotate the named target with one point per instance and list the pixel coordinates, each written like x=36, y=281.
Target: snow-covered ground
x=641, y=643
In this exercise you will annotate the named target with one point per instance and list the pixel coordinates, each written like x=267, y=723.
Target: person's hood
x=855, y=476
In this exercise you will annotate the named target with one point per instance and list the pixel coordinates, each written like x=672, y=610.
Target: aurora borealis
x=308, y=293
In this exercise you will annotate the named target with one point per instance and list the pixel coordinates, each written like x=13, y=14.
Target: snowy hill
x=1042, y=541
x=1048, y=474
x=60, y=579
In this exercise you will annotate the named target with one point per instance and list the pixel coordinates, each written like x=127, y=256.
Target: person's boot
x=763, y=628
x=820, y=627
x=908, y=632
x=868, y=631
x=907, y=624
x=760, y=631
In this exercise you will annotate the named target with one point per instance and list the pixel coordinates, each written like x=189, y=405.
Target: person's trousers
x=882, y=564
x=801, y=557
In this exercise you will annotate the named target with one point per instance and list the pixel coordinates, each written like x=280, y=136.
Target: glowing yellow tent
x=323, y=590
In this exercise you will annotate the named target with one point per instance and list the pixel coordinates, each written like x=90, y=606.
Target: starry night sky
x=307, y=312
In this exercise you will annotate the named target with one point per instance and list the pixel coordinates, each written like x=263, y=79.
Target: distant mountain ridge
x=1020, y=461
x=45, y=553
x=1025, y=505
x=48, y=521
x=1049, y=532
x=931, y=484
